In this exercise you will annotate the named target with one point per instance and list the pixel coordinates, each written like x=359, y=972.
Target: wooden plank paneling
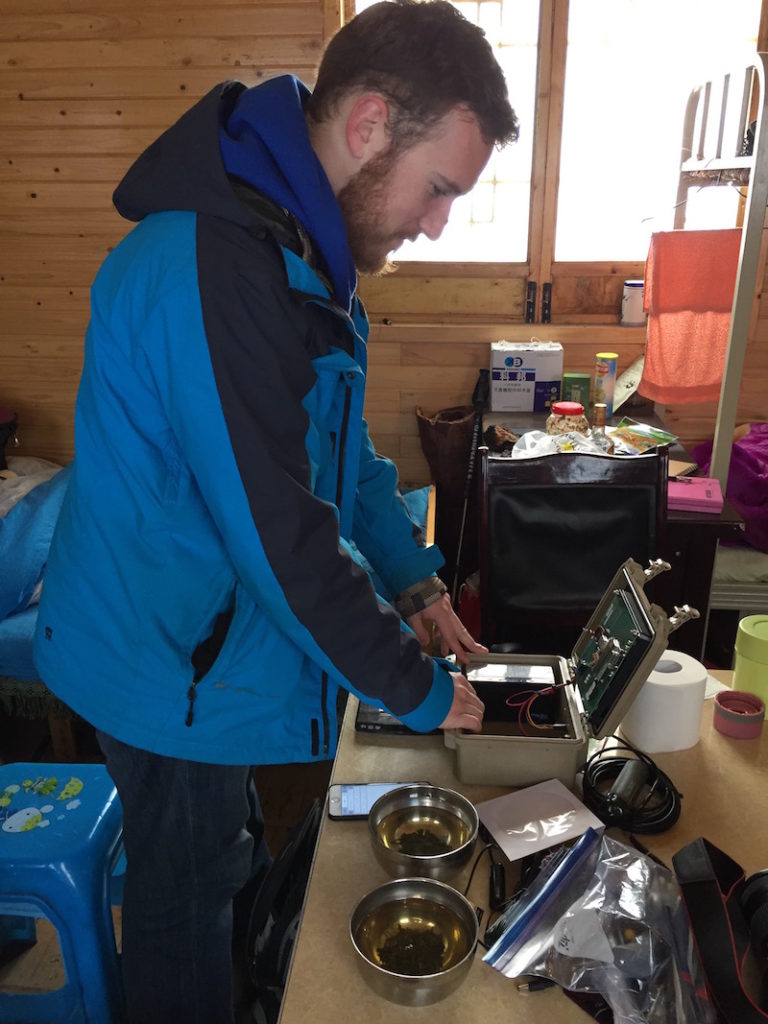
x=84, y=88
x=25, y=298
x=162, y=22
x=332, y=18
x=18, y=8
x=583, y=293
x=467, y=297
x=60, y=222
x=438, y=291
x=66, y=347
x=50, y=223
x=58, y=195
x=64, y=167
x=149, y=83
x=92, y=113
x=57, y=138
x=215, y=50
x=51, y=248
x=449, y=333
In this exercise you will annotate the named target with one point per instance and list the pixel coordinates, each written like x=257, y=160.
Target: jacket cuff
x=435, y=707
x=419, y=596
x=420, y=563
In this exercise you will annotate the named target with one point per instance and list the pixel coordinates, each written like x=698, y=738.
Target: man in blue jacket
x=207, y=588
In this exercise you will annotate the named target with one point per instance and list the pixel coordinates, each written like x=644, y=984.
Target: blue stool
x=60, y=841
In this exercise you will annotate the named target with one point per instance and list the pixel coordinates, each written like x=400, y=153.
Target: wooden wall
x=84, y=87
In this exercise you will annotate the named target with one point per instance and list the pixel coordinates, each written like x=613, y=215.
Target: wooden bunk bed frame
x=718, y=117
x=721, y=115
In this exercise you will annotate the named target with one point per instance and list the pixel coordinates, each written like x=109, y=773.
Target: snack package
x=631, y=437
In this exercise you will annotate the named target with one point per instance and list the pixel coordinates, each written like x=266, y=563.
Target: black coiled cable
x=631, y=792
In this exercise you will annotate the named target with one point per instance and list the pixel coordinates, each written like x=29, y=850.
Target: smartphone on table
x=353, y=800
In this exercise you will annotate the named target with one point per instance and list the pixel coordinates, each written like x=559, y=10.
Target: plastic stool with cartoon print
x=61, y=858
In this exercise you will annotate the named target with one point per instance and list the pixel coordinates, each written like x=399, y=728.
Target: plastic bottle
x=599, y=437
x=605, y=378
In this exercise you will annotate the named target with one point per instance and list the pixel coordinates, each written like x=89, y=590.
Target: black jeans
x=188, y=852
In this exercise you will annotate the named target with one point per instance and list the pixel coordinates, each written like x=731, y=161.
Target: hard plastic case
x=614, y=655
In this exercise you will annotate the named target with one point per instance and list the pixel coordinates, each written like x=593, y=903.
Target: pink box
x=695, y=494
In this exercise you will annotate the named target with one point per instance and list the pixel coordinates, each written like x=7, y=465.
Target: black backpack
x=275, y=915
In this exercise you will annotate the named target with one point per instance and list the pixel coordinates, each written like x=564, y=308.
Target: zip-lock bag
x=603, y=918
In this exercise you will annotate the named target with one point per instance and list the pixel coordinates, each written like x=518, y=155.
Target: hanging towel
x=690, y=277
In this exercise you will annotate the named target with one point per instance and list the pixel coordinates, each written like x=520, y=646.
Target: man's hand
x=454, y=635
x=467, y=708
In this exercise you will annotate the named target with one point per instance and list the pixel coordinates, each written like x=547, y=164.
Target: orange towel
x=690, y=277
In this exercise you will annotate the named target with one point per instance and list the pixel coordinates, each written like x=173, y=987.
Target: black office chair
x=553, y=530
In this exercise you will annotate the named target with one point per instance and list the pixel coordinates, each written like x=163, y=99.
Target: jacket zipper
x=315, y=739
x=343, y=442
x=191, y=694
x=324, y=707
x=326, y=720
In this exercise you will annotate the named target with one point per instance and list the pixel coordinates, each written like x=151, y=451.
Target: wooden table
x=724, y=783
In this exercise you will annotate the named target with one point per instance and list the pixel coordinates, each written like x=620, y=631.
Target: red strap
x=710, y=882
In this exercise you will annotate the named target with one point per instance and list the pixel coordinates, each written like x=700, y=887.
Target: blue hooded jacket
x=204, y=596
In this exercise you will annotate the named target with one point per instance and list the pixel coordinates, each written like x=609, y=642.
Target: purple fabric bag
x=747, y=488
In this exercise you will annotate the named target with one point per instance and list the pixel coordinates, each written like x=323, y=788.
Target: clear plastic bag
x=537, y=442
x=610, y=920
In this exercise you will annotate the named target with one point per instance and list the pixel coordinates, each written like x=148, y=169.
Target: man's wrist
x=421, y=595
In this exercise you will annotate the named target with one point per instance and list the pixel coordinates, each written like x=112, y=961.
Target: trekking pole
x=479, y=400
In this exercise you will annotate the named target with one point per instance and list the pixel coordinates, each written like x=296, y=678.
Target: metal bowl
x=414, y=940
x=424, y=831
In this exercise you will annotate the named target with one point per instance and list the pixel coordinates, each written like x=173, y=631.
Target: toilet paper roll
x=666, y=715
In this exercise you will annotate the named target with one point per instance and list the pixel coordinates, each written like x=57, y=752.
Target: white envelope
x=535, y=818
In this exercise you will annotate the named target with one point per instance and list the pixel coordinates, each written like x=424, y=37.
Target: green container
x=750, y=668
x=576, y=388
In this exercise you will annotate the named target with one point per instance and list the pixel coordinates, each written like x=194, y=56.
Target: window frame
x=586, y=292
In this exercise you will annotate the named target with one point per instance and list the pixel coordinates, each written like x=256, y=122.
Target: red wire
x=526, y=705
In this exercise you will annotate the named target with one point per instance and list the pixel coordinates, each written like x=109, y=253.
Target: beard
x=363, y=202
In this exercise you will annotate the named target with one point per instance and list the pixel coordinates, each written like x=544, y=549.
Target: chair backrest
x=552, y=532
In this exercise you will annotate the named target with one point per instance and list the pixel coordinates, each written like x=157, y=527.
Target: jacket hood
x=256, y=134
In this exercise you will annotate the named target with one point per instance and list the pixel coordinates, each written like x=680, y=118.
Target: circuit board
x=610, y=655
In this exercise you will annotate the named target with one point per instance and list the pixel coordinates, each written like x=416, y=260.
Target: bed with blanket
x=740, y=575
x=31, y=493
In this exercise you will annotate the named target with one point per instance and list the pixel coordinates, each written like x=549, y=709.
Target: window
x=630, y=65
x=493, y=219
x=600, y=88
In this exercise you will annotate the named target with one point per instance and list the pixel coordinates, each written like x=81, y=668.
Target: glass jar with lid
x=567, y=417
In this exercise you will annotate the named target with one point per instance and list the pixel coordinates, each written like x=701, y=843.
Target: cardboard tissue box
x=525, y=375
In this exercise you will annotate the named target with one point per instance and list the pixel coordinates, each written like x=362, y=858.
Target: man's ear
x=367, y=127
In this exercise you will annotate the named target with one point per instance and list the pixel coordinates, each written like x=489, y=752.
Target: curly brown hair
x=426, y=59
